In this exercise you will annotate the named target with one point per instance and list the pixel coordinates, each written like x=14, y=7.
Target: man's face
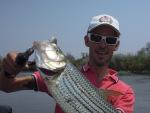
x=101, y=53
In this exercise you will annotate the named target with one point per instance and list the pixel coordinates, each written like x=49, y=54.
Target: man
x=102, y=39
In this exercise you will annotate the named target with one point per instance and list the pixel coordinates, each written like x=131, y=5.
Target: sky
x=24, y=21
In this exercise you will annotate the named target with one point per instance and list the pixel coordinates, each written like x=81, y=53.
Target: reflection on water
x=37, y=102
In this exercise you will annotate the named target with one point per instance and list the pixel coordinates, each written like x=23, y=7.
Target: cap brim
x=116, y=30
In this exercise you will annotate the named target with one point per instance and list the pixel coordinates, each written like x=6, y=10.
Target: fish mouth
x=47, y=72
x=49, y=57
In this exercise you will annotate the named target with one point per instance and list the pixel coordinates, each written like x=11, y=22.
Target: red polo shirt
x=124, y=102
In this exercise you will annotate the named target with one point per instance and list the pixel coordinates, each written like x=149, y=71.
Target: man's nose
x=102, y=44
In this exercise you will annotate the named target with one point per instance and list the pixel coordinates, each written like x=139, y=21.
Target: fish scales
x=80, y=96
x=77, y=98
x=67, y=92
x=74, y=90
x=85, y=86
x=81, y=91
x=68, y=86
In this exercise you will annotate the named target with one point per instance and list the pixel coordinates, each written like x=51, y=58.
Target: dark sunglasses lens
x=95, y=38
x=111, y=40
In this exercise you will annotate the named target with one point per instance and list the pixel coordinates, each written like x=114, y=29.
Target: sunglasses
x=96, y=38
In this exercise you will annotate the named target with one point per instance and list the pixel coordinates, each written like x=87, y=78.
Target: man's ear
x=117, y=46
x=86, y=40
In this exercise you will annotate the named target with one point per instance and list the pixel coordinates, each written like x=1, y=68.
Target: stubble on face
x=100, y=54
x=100, y=59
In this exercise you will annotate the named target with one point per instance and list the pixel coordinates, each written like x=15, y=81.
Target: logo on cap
x=106, y=19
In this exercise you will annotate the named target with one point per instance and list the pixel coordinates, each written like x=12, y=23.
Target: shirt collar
x=112, y=73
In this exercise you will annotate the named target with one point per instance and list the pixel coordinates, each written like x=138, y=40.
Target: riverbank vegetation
x=135, y=63
x=138, y=63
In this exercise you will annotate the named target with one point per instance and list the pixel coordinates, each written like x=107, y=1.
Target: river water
x=37, y=102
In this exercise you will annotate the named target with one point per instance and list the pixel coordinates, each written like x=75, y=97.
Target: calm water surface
x=37, y=102
x=141, y=86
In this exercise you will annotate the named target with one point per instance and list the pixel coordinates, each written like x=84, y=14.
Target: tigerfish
x=67, y=85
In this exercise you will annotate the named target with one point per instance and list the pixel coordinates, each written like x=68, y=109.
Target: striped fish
x=68, y=86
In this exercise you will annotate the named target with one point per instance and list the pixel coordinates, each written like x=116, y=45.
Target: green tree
x=70, y=57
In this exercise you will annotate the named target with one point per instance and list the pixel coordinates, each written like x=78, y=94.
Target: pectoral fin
x=107, y=93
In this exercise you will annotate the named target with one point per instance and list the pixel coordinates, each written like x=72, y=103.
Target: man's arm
x=17, y=83
x=9, y=82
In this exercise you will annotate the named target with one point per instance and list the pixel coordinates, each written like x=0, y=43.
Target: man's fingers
x=9, y=64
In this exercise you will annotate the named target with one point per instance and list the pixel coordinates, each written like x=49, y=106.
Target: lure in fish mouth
x=48, y=55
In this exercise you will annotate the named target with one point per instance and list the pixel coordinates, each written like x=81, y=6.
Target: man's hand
x=9, y=65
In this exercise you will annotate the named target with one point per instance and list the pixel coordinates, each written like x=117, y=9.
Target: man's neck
x=101, y=72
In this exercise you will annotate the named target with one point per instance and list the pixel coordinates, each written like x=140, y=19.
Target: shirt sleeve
x=40, y=82
x=125, y=103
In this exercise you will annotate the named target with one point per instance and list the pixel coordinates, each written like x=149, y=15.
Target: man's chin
x=100, y=64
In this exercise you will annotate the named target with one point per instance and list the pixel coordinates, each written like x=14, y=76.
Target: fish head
x=48, y=56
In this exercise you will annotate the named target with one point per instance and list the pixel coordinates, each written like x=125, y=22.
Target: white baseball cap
x=104, y=20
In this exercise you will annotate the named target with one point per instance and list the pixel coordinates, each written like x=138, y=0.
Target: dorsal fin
x=53, y=40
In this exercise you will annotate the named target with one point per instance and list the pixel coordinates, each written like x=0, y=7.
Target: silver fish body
x=70, y=88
